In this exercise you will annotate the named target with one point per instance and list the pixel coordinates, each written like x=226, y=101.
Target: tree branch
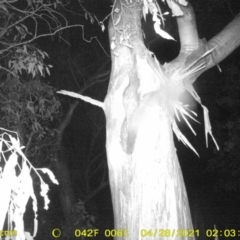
x=188, y=34
x=224, y=43
x=84, y=98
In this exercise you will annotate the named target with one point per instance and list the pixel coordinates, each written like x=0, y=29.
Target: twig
x=8, y=71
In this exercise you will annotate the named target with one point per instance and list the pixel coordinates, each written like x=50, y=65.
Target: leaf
x=49, y=173
x=40, y=68
x=30, y=107
x=91, y=19
x=19, y=50
x=30, y=67
x=44, y=190
x=7, y=182
x=41, y=53
x=20, y=30
x=47, y=70
x=46, y=54
x=208, y=128
x=23, y=190
x=16, y=143
x=25, y=49
x=162, y=33
x=10, y=63
x=25, y=27
x=102, y=26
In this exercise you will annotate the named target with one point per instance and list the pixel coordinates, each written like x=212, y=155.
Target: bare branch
x=84, y=98
x=188, y=36
x=225, y=42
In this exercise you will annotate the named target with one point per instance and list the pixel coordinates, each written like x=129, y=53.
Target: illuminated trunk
x=148, y=191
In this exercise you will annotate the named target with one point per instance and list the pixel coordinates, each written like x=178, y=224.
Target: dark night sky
x=211, y=16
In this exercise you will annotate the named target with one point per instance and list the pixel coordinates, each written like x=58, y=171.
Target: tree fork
x=147, y=186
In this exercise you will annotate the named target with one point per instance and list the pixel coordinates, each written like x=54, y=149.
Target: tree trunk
x=148, y=191
x=66, y=194
x=61, y=169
